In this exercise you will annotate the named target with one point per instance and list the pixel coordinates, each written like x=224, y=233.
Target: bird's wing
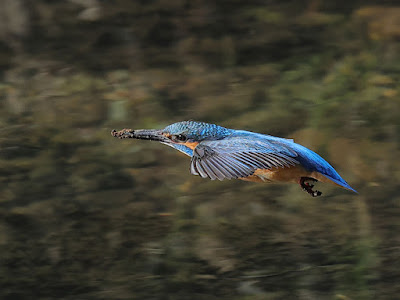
x=239, y=157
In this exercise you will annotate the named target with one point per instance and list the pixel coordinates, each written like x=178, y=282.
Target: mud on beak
x=142, y=134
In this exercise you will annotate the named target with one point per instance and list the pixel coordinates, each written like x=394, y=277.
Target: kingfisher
x=221, y=153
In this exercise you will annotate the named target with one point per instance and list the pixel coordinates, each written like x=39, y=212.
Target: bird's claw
x=123, y=134
x=307, y=186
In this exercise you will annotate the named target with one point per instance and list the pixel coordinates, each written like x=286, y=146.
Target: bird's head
x=177, y=135
x=191, y=131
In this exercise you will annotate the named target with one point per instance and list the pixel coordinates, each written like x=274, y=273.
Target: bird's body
x=221, y=153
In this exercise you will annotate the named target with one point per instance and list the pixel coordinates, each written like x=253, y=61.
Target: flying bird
x=221, y=153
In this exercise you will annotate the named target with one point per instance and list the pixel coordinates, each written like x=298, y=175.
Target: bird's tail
x=342, y=183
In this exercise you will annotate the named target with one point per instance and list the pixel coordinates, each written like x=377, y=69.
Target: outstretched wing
x=238, y=157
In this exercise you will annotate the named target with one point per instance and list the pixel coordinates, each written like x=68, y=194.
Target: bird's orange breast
x=288, y=174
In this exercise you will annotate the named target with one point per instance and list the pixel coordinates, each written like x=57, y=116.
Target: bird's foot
x=306, y=185
x=123, y=134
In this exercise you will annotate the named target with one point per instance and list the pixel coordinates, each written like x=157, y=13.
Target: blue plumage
x=311, y=161
x=232, y=141
x=198, y=131
x=220, y=153
x=181, y=148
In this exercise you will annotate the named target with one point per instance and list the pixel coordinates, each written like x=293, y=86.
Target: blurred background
x=87, y=216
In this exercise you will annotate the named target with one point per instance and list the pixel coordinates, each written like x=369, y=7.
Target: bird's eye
x=179, y=137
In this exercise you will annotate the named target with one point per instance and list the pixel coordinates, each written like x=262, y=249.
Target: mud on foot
x=307, y=186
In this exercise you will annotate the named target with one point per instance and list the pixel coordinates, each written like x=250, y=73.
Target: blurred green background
x=87, y=216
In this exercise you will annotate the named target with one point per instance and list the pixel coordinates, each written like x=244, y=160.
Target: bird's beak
x=142, y=134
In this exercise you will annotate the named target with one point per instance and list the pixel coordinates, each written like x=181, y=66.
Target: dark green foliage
x=86, y=216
